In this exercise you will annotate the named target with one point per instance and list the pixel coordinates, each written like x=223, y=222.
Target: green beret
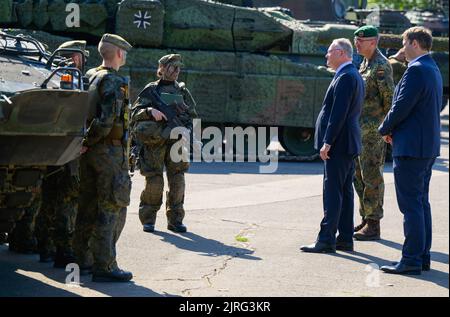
x=116, y=40
x=366, y=31
x=174, y=59
x=81, y=45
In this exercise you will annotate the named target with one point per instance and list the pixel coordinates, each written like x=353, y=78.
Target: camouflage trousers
x=104, y=195
x=22, y=237
x=369, y=181
x=153, y=158
x=55, y=223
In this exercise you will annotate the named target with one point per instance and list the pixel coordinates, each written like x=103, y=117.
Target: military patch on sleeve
x=380, y=74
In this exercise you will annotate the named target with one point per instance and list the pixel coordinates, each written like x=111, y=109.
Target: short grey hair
x=345, y=45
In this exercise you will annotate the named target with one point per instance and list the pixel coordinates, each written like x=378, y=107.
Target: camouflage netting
x=52, y=15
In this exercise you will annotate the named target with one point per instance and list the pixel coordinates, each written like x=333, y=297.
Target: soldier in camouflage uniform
x=60, y=190
x=154, y=154
x=105, y=183
x=369, y=183
x=22, y=238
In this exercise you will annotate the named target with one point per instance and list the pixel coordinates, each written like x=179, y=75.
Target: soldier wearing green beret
x=156, y=147
x=369, y=183
x=104, y=181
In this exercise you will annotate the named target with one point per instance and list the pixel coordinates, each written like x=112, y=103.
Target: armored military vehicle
x=41, y=124
x=245, y=66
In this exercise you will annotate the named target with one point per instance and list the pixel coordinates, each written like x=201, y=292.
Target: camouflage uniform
x=154, y=155
x=369, y=182
x=398, y=68
x=22, y=238
x=105, y=184
x=56, y=219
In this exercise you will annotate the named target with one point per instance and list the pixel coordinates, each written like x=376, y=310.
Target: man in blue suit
x=338, y=137
x=412, y=126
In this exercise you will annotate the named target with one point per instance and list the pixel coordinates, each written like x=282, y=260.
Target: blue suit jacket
x=414, y=118
x=338, y=121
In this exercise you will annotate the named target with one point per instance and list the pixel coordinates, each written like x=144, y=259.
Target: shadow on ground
x=283, y=168
x=14, y=282
x=433, y=276
x=207, y=247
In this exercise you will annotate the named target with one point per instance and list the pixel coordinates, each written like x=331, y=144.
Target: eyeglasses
x=334, y=49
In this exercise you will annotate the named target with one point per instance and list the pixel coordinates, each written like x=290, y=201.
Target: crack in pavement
x=250, y=230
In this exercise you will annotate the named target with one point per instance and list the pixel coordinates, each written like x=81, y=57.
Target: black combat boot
x=62, y=259
x=117, y=275
x=149, y=227
x=25, y=247
x=177, y=227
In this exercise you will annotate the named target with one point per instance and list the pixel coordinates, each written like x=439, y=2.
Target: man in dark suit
x=338, y=136
x=412, y=126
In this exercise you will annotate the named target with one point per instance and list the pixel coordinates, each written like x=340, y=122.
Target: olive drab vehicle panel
x=244, y=66
x=40, y=123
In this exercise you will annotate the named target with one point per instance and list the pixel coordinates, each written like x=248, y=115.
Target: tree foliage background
x=404, y=4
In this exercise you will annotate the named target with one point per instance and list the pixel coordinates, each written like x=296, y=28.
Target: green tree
x=403, y=4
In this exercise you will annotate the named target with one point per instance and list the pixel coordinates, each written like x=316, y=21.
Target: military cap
x=116, y=40
x=174, y=59
x=366, y=31
x=81, y=45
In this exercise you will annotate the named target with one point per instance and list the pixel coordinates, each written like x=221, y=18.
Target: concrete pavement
x=244, y=234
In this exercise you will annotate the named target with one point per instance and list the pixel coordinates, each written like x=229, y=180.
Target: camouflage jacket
x=379, y=84
x=140, y=110
x=398, y=68
x=110, y=108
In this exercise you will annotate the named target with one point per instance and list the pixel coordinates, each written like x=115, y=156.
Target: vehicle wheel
x=299, y=142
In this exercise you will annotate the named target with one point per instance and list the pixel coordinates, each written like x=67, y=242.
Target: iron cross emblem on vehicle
x=142, y=20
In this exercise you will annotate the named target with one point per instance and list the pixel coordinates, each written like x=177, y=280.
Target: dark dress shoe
x=177, y=227
x=344, y=246
x=425, y=267
x=149, y=227
x=401, y=268
x=113, y=276
x=319, y=247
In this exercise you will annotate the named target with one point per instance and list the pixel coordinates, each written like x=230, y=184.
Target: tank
x=245, y=66
x=434, y=19
x=40, y=123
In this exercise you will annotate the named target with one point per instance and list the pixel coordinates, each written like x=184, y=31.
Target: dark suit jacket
x=338, y=121
x=414, y=119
